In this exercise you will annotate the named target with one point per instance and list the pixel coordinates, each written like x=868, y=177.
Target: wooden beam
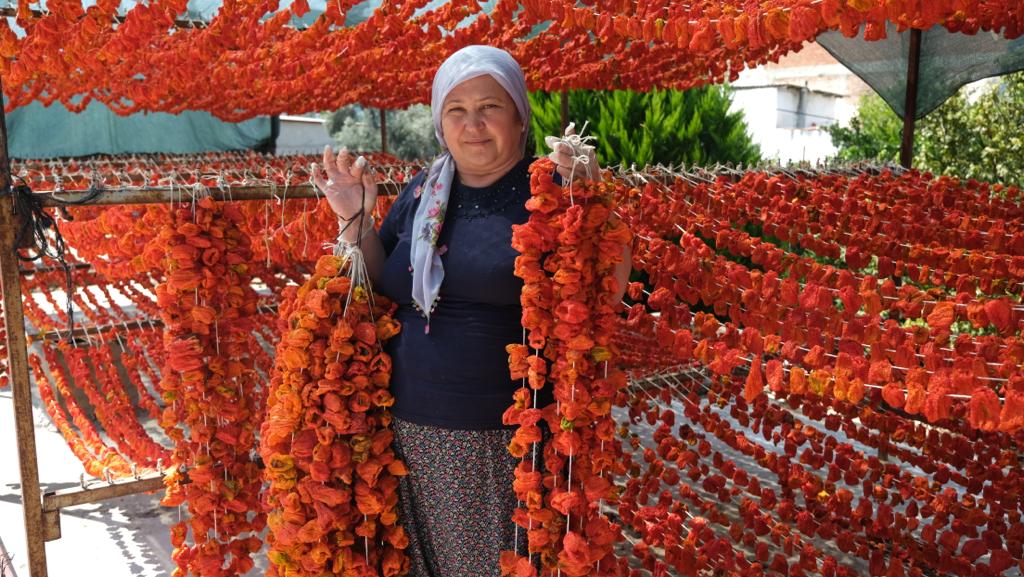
x=179, y=23
x=565, y=110
x=167, y=195
x=83, y=333
x=17, y=367
x=45, y=269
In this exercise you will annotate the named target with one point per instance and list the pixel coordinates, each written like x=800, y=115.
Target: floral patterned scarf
x=465, y=64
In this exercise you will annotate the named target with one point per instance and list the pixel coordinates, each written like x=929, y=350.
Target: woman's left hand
x=569, y=151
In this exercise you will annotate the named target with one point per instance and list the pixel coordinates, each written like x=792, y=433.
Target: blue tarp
x=35, y=131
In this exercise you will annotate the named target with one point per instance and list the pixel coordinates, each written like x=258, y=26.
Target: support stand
x=17, y=365
x=910, y=104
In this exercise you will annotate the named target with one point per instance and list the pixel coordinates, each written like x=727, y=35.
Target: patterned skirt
x=457, y=501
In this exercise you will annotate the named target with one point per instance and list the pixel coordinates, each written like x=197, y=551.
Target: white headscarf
x=465, y=64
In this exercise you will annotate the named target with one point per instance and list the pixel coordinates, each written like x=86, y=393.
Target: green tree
x=987, y=144
x=969, y=137
x=873, y=134
x=410, y=131
x=944, y=141
x=662, y=126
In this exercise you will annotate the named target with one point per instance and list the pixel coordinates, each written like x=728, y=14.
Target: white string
x=533, y=463
x=284, y=193
x=582, y=152
x=266, y=219
x=366, y=544
x=515, y=526
x=568, y=516
x=600, y=502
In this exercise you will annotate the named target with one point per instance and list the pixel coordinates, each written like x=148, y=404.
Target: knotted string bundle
x=35, y=224
x=582, y=152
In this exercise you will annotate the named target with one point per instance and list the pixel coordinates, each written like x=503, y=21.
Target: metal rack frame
x=42, y=509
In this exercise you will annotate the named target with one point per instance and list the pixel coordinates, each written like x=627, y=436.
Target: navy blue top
x=457, y=376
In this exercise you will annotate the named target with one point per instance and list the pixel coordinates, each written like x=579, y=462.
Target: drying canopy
x=253, y=57
x=947, y=62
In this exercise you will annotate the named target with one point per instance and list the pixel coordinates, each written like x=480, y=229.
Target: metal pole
x=383, y=130
x=17, y=366
x=910, y=104
x=565, y=110
x=58, y=500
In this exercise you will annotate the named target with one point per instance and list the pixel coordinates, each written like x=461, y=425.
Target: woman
x=444, y=255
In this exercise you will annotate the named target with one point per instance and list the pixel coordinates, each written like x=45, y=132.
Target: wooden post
x=383, y=130
x=565, y=110
x=910, y=104
x=17, y=367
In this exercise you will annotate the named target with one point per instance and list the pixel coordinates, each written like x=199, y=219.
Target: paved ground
x=123, y=537
x=129, y=536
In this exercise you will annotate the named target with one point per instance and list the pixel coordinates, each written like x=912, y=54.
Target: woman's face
x=482, y=128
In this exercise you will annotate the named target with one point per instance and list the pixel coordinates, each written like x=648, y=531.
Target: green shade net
x=36, y=131
x=948, y=61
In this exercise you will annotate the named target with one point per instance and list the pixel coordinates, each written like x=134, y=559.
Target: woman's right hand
x=350, y=186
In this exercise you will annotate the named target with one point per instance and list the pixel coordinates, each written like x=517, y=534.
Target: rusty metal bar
x=17, y=367
x=46, y=269
x=178, y=194
x=166, y=195
x=57, y=500
x=53, y=502
x=910, y=104
x=81, y=332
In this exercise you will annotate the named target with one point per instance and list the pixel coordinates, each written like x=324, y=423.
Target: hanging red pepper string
x=326, y=440
x=716, y=299
x=100, y=460
x=140, y=372
x=569, y=319
x=208, y=387
x=668, y=45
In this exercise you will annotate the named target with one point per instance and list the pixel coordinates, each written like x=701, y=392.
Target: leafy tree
x=662, y=126
x=944, y=141
x=985, y=142
x=873, y=134
x=977, y=137
x=669, y=127
x=410, y=131
x=336, y=120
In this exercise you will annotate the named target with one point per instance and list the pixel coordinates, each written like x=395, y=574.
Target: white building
x=302, y=135
x=786, y=104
